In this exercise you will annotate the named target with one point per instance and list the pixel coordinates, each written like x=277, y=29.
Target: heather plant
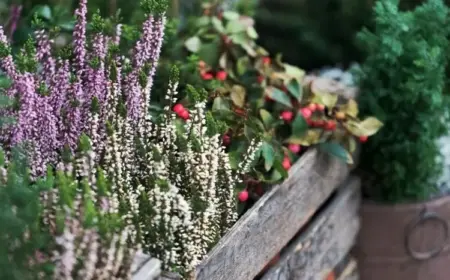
x=167, y=177
x=61, y=226
x=402, y=82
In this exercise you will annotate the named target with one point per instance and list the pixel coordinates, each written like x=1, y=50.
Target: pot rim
x=369, y=205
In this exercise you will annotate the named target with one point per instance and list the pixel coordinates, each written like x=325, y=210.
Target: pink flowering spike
x=134, y=93
x=25, y=128
x=44, y=56
x=16, y=10
x=74, y=119
x=60, y=87
x=79, y=37
x=6, y=59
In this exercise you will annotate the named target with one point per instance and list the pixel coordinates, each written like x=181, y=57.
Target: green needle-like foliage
x=401, y=83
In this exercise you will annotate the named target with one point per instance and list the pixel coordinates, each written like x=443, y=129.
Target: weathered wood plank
x=269, y=225
x=326, y=241
x=145, y=268
x=350, y=271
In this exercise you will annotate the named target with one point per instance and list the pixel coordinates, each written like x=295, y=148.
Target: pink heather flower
x=133, y=98
x=14, y=19
x=44, y=55
x=79, y=37
x=7, y=63
x=27, y=119
x=73, y=121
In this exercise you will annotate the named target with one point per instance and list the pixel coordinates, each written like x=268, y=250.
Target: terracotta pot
x=404, y=241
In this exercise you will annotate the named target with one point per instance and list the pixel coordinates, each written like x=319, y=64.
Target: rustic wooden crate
x=145, y=268
x=278, y=216
x=327, y=239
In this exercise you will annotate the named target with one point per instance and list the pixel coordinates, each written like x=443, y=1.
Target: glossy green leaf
x=299, y=126
x=210, y=53
x=44, y=11
x=278, y=167
x=268, y=154
x=336, y=150
x=295, y=89
x=234, y=26
x=230, y=15
x=279, y=96
x=267, y=118
x=218, y=25
x=220, y=104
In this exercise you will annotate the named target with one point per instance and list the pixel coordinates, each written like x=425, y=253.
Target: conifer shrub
x=401, y=83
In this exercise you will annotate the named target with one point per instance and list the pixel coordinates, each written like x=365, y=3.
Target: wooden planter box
x=305, y=218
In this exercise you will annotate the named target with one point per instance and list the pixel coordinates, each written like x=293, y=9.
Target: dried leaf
x=223, y=61
x=327, y=99
x=368, y=127
x=351, y=144
x=311, y=137
x=351, y=108
x=238, y=95
x=294, y=71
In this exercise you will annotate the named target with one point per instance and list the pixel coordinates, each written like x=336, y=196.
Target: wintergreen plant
x=401, y=83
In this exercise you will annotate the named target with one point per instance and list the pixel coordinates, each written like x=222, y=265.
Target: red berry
x=226, y=139
x=310, y=122
x=330, y=125
x=319, y=123
x=221, y=75
x=295, y=148
x=266, y=60
x=286, y=163
x=207, y=76
x=184, y=114
x=268, y=98
x=312, y=107
x=178, y=108
x=320, y=107
x=363, y=139
x=261, y=79
x=243, y=196
x=306, y=113
x=287, y=116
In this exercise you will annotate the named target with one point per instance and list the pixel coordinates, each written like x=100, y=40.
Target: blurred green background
x=309, y=33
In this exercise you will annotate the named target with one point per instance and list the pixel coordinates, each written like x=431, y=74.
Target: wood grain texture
x=327, y=240
x=350, y=271
x=274, y=220
x=145, y=268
